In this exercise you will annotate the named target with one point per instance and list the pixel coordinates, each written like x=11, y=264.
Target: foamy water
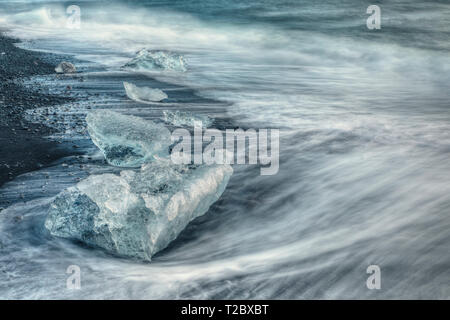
x=364, y=171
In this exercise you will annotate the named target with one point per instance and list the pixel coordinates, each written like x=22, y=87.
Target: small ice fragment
x=65, y=67
x=185, y=119
x=148, y=60
x=143, y=94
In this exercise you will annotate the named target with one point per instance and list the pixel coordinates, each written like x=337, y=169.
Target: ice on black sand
x=138, y=212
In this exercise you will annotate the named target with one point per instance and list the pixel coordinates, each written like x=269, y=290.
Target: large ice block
x=137, y=213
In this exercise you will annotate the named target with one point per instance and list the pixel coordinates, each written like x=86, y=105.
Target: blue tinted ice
x=127, y=141
x=136, y=214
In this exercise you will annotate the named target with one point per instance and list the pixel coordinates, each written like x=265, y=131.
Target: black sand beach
x=23, y=147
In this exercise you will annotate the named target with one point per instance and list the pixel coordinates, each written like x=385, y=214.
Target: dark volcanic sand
x=22, y=146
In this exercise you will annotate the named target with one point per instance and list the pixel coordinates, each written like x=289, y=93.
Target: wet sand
x=23, y=147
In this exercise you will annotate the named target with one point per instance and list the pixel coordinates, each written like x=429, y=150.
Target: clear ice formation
x=127, y=141
x=137, y=213
x=157, y=60
x=143, y=94
x=185, y=119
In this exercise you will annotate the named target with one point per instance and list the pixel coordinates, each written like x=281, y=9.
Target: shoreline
x=23, y=145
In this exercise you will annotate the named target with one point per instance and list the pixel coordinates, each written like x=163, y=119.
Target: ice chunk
x=143, y=94
x=65, y=67
x=183, y=119
x=140, y=212
x=127, y=141
x=157, y=60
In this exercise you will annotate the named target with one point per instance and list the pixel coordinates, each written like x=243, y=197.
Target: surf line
x=193, y=310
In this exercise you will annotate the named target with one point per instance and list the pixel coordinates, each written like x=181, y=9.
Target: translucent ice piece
x=127, y=141
x=140, y=212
